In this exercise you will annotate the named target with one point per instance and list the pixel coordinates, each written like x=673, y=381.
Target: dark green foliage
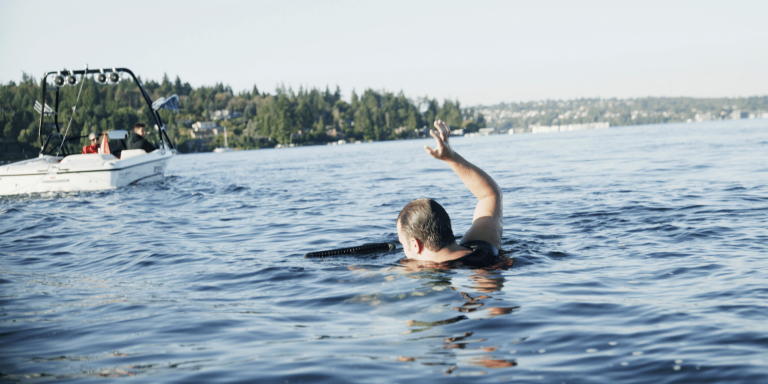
x=285, y=117
x=314, y=116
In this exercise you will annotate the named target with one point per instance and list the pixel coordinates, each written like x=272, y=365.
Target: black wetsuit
x=483, y=255
x=137, y=142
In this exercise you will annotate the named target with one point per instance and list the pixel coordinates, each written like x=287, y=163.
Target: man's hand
x=441, y=133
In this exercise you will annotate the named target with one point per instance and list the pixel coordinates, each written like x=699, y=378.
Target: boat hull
x=91, y=172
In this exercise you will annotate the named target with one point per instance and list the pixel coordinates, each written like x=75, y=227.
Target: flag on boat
x=172, y=103
x=104, y=149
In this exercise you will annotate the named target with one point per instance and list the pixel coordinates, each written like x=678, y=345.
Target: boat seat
x=131, y=153
x=117, y=147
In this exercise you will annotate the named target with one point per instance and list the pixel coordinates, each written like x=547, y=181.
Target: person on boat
x=137, y=140
x=424, y=227
x=94, y=147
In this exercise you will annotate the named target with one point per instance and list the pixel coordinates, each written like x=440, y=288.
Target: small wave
x=11, y=210
x=695, y=206
x=235, y=188
x=665, y=228
x=703, y=233
x=667, y=254
x=592, y=214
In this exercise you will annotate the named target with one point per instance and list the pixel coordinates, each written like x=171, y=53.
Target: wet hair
x=427, y=221
x=139, y=125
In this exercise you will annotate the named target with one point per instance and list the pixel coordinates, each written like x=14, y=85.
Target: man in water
x=137, y=139
x=424, y=228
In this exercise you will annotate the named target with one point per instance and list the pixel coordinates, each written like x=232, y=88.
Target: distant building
x=486, y=131
x=401, y=130
x=224, y=114
x=204, y=129
x=704, y=116
x=333, y=132
x=421, y=132
x=736, y=115
x=201, y=125
x=262, y=139
x=204, y=133
x=569, y=127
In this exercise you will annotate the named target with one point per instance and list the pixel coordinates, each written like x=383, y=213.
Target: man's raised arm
x=487, y=220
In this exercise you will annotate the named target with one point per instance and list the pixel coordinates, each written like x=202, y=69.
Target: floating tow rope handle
x=359, y=250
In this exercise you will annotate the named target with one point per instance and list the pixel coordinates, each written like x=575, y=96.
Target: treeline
x=620, y=112
x=307, y=116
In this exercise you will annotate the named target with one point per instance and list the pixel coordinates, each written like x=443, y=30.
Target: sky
x=477, y=52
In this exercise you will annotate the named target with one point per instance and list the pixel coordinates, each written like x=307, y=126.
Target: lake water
x=640, y=257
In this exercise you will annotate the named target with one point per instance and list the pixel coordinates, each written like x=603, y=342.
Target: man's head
x=93, y=138
x=425, y=221
x=140, y=129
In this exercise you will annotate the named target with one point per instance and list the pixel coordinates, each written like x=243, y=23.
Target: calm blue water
x=640, y=257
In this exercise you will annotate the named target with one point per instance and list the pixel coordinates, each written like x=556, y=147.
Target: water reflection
x=478, y=302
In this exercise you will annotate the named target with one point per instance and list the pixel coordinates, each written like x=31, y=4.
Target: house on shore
x=224, y=114
x=205, y=129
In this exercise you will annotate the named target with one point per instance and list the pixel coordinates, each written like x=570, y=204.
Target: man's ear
x=416, y=245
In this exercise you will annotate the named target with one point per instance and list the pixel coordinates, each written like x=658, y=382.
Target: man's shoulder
x=137, y=142
x=483, y=254
x=480, y=246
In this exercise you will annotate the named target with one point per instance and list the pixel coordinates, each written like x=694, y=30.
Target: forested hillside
x=316, y=116
x=306, y=116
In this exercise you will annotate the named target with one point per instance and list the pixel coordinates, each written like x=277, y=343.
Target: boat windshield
x=53, y=145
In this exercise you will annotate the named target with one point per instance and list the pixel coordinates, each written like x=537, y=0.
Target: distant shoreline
x=285, y=118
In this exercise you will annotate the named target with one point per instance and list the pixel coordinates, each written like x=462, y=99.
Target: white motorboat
x=62, y=168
